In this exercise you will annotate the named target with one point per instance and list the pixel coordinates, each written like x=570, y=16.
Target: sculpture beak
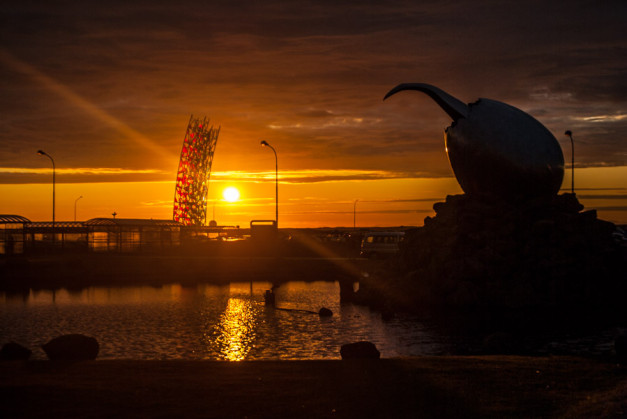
x=455, y=108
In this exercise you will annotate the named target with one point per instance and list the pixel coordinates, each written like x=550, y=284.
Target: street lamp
x=355, y=213
x=43, y=153
x=276, y=161
x=75, y=201
x=572, y=145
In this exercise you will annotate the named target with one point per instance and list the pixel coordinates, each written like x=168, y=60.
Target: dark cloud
x=406, y=200
x=362, y=212
x=614, y=208
x=584, y=196
x=25, y=178
x=309, y=75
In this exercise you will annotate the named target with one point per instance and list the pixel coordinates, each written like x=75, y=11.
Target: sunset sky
x=107, y=88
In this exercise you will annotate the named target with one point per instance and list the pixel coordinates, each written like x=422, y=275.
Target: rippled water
x=209, y=322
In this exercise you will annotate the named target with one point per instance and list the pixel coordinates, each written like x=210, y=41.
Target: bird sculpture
x=496, y=150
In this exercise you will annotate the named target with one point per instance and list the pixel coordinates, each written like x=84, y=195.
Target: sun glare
x=230, y=194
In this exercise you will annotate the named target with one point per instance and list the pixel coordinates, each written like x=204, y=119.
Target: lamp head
x=569, y=133
x=41, y=152
x=264, y=143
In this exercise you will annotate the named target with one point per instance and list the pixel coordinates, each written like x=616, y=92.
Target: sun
x=230, y=194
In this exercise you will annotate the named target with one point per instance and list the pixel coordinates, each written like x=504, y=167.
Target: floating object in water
x=495, y=149
x=269, y=298
x=325, y=312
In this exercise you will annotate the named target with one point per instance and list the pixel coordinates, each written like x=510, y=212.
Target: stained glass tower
x=190, y=196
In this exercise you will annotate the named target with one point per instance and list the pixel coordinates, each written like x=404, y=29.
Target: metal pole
x=43, y=153
x=75, y=201
x=276, y=185
x=572, y=147
x=355, y=214
x=276, y=161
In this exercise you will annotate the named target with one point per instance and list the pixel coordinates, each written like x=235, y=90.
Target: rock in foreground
x=74, y=347
x=14, y=352
x=360, y=350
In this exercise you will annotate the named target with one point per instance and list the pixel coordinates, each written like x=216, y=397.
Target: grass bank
x=492, y=386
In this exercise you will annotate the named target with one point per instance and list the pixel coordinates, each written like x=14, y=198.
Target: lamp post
x=572, y=147
x=43, y=153
x=276, y=161
x=75, y=201
x=355, y=214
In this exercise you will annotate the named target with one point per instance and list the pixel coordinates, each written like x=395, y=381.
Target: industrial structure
x=190, y=197
x=19, y=235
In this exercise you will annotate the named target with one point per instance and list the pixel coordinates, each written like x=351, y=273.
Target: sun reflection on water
x=236, y=331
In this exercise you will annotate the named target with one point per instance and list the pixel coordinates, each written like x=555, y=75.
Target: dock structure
x=20, y=236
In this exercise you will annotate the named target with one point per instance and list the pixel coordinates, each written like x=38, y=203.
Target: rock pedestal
x=533, y=257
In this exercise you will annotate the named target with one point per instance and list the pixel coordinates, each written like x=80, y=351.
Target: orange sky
x=383, y=202
x=107, y=89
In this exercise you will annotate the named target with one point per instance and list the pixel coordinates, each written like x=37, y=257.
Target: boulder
x=74, y=347
x=360, y=350
x=325, y=312
x=14, y=351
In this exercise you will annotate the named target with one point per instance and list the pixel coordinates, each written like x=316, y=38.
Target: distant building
x=12, y=234
x=19, y=235
x=130, y=234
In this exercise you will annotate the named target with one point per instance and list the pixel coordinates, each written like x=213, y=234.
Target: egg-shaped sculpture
x=497, y=150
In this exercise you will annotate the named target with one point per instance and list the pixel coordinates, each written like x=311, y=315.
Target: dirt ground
x=424, y=387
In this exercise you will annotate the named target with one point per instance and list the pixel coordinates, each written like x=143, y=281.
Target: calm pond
x=209, y=322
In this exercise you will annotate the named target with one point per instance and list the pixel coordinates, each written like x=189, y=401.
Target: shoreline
x=449, y=386
x=85, y=270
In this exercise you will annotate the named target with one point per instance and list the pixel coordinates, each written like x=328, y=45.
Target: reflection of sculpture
x=496, y=149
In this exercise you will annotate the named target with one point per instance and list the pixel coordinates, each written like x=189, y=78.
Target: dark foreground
x=494, y=386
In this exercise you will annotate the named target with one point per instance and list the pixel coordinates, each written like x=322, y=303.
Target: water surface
x=209, y=322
